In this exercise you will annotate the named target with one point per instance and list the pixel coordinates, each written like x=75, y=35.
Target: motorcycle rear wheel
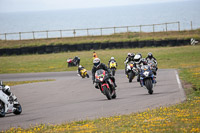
x=107, y=93
x=2, y=109
x=114, y=95
x=149, y=85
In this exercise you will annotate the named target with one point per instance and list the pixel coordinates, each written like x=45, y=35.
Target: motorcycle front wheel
x=149, y=85
x=2, y=109
x=18, y=109
x=130, y=76
x=107, y=92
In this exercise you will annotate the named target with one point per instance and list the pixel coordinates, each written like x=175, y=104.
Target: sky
x=41, y=5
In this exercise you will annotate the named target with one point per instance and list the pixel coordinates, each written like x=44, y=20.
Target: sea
x=187, y=12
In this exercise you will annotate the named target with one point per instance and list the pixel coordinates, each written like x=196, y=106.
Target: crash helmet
x=137, y=58
x=7, y=88
x=132, y=55
x=96, y=62
x=79, y=66
x=129, y=54
x=112, y=58
x=150, y=55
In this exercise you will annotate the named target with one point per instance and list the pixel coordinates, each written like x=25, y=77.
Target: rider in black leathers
x=98, y=65
x=150, y=57
x=128, y=59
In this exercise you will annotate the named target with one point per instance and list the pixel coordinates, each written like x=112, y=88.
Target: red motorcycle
x=73, y=62
x=105, y=84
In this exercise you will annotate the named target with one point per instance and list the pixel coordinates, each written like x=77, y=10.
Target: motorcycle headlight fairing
x=146, y=74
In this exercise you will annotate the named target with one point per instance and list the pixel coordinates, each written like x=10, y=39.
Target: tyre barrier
x=92, y=46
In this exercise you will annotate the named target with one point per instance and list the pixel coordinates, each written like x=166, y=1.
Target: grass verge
x=183, y=117
x=13, y=83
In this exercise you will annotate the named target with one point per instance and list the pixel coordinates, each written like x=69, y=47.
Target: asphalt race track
x=70, y=97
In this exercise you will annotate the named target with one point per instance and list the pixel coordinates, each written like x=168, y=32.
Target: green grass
x=13, y=83
x=118, y=37
x=183, y=117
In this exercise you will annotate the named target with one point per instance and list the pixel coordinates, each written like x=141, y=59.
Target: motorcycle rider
x=79, y=70
x=128, y=59
x=139, y=61
x=5, y=88
x=94, y=55
x=150, y=57
x=111, y=59
x=98, y=65
x=76, y=60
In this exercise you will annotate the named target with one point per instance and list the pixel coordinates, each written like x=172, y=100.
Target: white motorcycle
x=131, y=71
x=8, y=102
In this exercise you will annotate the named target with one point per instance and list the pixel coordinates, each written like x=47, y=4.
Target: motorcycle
x=113, y=67
x=105, y=84
x=8, y=103
x=131, y=71
x=152, y=66
x=84, y=73
x=73, y=62
x=147, y=78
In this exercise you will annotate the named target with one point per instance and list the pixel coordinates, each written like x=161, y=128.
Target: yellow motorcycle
x=113, y=67
x=84, y=73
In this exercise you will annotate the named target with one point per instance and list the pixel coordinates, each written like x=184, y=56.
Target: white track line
x=180, y=85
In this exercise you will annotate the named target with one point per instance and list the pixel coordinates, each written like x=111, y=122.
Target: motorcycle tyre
x=87, y=76
x=107, y=93
x=18, y=109
x=149, y=86
x=130, y=77
x=113, y=72
x=2, y=111
x=114, y=95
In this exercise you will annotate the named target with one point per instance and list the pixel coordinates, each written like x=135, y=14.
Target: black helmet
x=150, y=55
x=132, y=55
x=96, y=62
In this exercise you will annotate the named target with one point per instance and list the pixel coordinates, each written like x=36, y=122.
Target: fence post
x=101, y=31
x=127, y=29
x=74, y=32
x=47, y=33
x=60, y=33
x=33, y=35
x=87, y=32
x=179, y=26
x=140, y=28
x=5, y=37
x=166, y=26
x=19, y=35
x=191, y=26
x=153, y=28
x=114, y=30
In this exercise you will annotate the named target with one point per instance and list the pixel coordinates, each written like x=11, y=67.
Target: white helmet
x=137, y=58
x=7, y=88
x=79, y=66
x=96, y=62
x=112, y=58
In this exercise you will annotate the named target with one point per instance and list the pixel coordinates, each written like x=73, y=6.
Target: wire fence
x=162, y=27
